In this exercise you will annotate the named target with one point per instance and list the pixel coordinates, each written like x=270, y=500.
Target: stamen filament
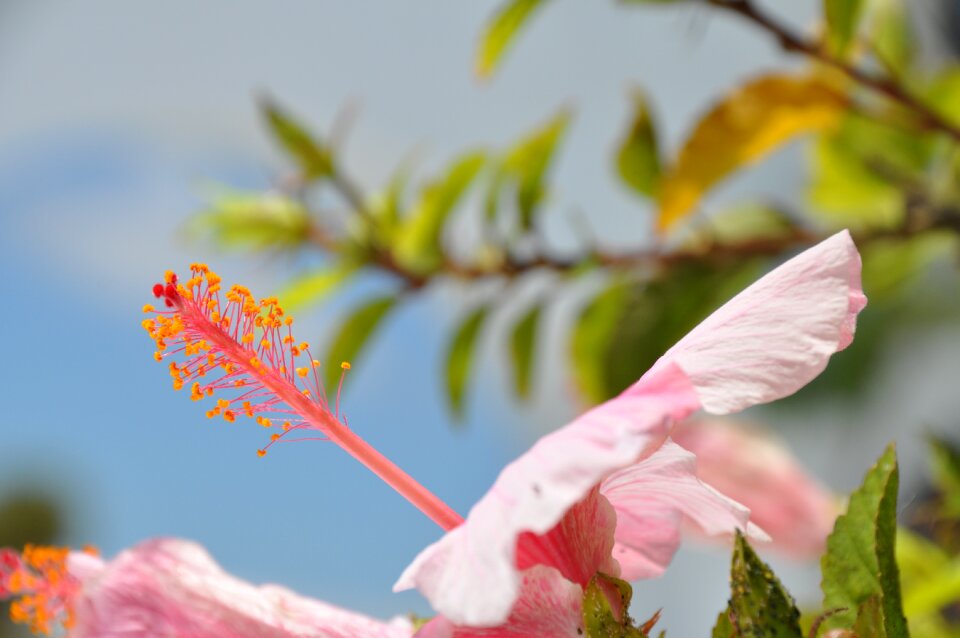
x=242, y=341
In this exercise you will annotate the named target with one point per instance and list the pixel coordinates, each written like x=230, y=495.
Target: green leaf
x=860, y=562
x=843, y=17
x=638, y=157
x=869, y=621
x=523, y=341
x=528, y=161
x=892, y=36
x=460, y=356
x=354, y=334
x=945, y=458
x=605, y=604
x=748, y=222
x=759, y=606
x=313, y=287
x=252, y=221
x=500, y=32
x=313, y=157
x=847, y=192
x=418, y=242
x=591, y=337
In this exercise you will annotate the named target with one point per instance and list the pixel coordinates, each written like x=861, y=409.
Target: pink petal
x=549, y=606
x=747, y=464
x=655, y=498
x=777, y=335
x=764, y=344
x=169, y=587
x=471, y=575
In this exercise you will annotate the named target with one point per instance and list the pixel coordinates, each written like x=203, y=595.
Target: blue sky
x=117, y=116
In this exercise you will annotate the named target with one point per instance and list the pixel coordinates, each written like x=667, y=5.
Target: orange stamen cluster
x=241, y=349
x=40, y=585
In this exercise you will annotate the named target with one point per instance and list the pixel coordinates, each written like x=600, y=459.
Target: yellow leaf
x=741, y=129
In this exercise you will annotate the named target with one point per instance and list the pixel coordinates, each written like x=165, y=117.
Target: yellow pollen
x=274, y=437
x=148, y=308
x=261, y=453
x=316, y=364
x=303, y=371
x=345, y=365
x=229, y=416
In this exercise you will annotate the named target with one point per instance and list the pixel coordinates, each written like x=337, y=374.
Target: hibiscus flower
x=168, y=587
x=609, y=493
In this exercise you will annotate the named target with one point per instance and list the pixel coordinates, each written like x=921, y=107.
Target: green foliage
x=523, y=341
x=842, y=16
x=880, y=165
x=759, y=606
x=460, y=357
x=354, y=334
x=891, y=35
x=931, y=584
x=253, y=221
x=859, y=568
x=946, y=473
x=605, y=604
x=500, y=33
x=418, y=242
x=638, y=157
x=313, y=157
x=847, y=191
x=29, y=517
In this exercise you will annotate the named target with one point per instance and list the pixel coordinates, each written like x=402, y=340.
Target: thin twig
x=882, y=84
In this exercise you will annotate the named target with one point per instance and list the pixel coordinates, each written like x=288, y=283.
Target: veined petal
x=656, y=498
x=749, y=465
x=549, y=606
x=168, y=587
x=471, y=575
x=777, y=335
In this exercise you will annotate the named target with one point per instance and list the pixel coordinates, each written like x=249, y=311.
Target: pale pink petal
x=774, y=337
x=168, y=587
x=766, y=343
x=84, y=566
x=549, y=606
x=748, y=465
x=657, y=497
x=471, y=574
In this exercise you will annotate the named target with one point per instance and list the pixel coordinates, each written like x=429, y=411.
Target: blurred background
x=122, y=120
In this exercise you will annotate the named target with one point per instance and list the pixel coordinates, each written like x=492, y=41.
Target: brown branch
x=882, y=84
x=933, y=219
